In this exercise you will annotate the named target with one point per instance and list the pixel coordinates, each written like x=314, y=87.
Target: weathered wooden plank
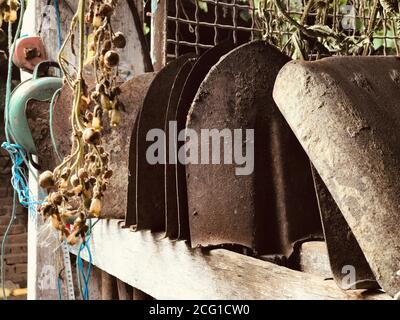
x=124, y=291
x=171, y=270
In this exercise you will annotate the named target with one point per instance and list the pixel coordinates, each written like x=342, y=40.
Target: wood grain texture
x=168, y=269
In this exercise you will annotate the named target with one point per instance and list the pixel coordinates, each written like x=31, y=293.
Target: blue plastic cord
x=19, y=181
x=85, y=276
x=59, y=39
x=60, y=296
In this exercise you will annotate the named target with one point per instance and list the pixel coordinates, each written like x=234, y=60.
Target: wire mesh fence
x=305, y=29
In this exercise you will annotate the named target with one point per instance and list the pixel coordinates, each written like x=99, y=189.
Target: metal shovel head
x=123, y=154
x=150, y=182
x=171, y=196
x=193, y=81
x=273, y=204
x=345, y=254
x=345, y=113
x=117, y=142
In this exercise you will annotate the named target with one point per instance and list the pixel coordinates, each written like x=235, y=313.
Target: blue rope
x=85, y=276
x=79, y=263
x=60, y=296
x=59, y=39
x=19, y=181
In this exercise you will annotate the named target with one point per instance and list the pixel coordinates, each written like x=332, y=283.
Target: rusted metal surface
x=150, y=193
x=343, y=248
x=29, y=51
x=274, y=206
x=117, y=141
x=345, y=112
x=196, y=76
x=159, y=33
x=171, y=192
x=37, y=114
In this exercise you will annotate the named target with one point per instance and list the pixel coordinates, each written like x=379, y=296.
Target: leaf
x=146, y=29
x=203, y=6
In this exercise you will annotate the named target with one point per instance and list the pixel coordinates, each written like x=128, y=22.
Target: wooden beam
x=168, y=269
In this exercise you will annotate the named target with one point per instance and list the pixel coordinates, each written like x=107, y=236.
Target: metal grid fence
x=318, y=27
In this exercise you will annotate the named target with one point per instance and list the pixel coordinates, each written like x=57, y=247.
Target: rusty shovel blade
x=171, y=196
x=150, y=193
x=344, y=252
x=272, y=206
x=192, y=83
x=345, y=113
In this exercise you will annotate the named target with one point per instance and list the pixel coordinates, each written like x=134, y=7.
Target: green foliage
x=314, y=27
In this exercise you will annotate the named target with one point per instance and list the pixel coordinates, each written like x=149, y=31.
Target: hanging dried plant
x=76, y=187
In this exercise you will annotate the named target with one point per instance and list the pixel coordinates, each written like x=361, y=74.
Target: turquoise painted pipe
x=38, y=88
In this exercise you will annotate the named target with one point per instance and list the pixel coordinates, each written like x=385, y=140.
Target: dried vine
x=76, y=186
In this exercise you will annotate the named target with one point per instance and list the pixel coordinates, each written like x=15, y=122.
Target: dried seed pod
x=108, y=174
x=106, y=10
x=91, y=137
x=78, y=190
x=64, y=184
x=97, y=123
x=105, y=102
x=56, y=222
x=75, y=180
x=97, y=21
x=89, y=18
x=100, y=87
x=46, y=180
x=95, y=207
x=119, y=40
x=107, y=45
x=83, y=174
x=87, y=202
x=111, y=59
x=65, y=173
x=78, y=221
x=84, y=103
x=115, y=118
x=94, y=96
x=92, y=180
x=56, y=198
x=46, y=209
x=12, y=16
